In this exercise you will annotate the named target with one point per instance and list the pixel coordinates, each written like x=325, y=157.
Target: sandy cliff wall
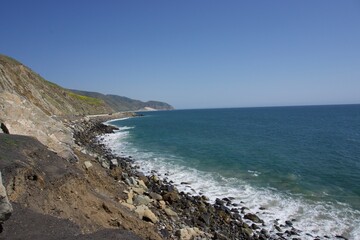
x=28, y=104
x=23, y=118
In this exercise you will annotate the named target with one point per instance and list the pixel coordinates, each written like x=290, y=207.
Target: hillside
x=120, y=103
x=30, y=105
x=16, y=78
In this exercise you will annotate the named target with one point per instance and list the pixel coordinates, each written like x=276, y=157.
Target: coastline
x=223, y=218
x=286, y=227
x=106, y=197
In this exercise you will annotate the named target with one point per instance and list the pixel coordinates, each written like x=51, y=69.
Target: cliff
x=30, y=105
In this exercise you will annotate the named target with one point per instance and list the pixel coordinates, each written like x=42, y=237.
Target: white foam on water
x=115, y=120
x=254, y=173
x=314, y=218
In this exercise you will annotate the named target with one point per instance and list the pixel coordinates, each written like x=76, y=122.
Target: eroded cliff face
x=23, y=118
x=28, y=105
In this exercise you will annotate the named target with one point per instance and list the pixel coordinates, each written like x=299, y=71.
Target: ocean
x=283, y=163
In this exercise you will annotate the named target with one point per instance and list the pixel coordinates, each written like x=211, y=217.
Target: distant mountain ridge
x=120, y=103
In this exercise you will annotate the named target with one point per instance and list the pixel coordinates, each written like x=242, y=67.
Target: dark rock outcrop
x=4, y=129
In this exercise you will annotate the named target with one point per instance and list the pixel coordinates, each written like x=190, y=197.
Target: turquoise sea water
x=299, y=163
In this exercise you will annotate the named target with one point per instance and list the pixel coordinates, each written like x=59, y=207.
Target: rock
x=162, y=204
x=253, y=217
x=143, y=178
x=165, y=233
x=154, y=178
x=116, y=173
x=188, y=233
x=142, y=184
x=278, y=228
x=137, y=190
x=129, y=206
x=156, y=196
x=265, y=233
x=220, y=236
x=219, y=202
x=106, y=208
x=171, y=196
x=69, y=155
x=114, y=163
x=4, y=129
x=124, y=176
x=130, y=194
x=88, y=164
x=247, y=231
x=171, y=213
x=5, y=206
x=141, y=200
x=146, y=214
x=105, y=164
x=254, y=226
x=132, y=181
x=340, y=237
x=205, y=218
x=288, y=223
x=226, y=199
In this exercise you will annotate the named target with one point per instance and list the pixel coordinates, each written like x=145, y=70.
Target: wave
x=115, y=120
x=313, y=218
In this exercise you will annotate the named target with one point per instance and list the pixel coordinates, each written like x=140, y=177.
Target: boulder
x=131, y=181
x=142, y=184
x=252, y=217
x=141, y=200
x=88, y=164
x=4, y=129
x=114, y=163
x=116, y=173
x=189, y=233
x=155, y=196
x=146, y=214
x=171, y=196
x=247, y=231
x=5, y=206
x=130, y=197
x=162, y=204
x=129, y=206
x=171, y=213
x=137, y=190
x=105, y=164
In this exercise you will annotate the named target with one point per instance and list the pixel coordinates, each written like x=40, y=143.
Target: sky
x=192, y=53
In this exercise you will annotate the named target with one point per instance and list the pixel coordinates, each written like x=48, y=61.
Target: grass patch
x=89, y=100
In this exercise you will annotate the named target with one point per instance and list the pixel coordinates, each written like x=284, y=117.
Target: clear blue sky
x=192, y=54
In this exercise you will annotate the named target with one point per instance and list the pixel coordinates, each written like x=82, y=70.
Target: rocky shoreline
x=99, y=195
x=174, y=214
